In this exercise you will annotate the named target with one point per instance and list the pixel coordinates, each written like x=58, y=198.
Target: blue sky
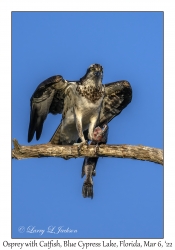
x=128, y=194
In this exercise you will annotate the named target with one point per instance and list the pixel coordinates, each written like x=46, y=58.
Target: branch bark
x=71, y=151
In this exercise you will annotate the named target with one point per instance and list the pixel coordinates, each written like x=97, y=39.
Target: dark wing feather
x=47, y=98
x=117, y=96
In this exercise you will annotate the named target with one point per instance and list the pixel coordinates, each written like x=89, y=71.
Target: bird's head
x=95, y=73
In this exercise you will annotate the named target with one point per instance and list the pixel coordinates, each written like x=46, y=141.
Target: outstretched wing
x=117, y=96
x=47, y=98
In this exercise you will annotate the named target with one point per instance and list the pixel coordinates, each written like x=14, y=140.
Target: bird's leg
x=92, y=125
x=80, y=133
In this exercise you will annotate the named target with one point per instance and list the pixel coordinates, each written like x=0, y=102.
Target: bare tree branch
x=71, y=151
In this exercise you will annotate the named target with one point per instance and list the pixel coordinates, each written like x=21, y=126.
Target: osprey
x=87, y=106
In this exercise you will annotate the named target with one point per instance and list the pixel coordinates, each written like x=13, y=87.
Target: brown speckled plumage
x=91, y=93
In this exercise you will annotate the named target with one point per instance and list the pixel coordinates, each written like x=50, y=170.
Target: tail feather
x=87, y=189
x=88, y=169
x=56, y=136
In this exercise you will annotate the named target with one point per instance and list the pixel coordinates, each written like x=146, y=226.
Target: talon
x=81, y=144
